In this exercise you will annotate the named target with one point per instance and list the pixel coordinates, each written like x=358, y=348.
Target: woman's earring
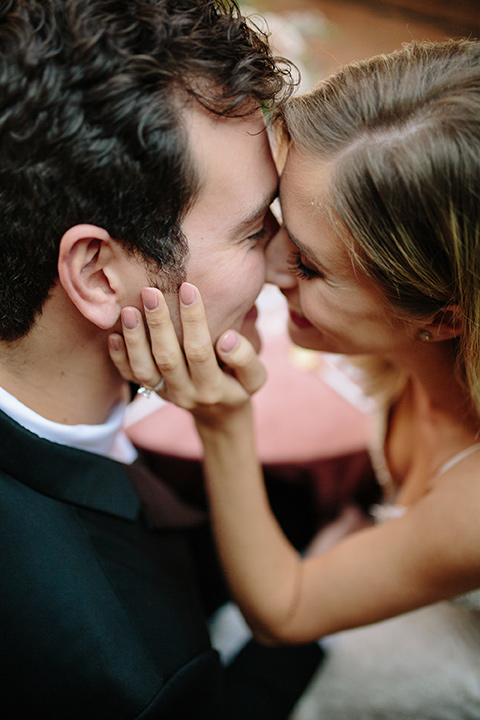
x=424, y=336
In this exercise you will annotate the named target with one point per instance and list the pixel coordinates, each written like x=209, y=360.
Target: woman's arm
x=429, y=554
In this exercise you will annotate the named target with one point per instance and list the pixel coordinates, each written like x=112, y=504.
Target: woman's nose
x=278, y=251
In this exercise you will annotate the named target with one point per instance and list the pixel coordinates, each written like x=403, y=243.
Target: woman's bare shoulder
x=447, y=528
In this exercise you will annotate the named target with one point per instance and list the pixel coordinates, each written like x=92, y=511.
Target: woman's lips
x=299, y=320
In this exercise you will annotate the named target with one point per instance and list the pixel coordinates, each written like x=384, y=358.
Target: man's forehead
x=235, y=169
x=209, y=133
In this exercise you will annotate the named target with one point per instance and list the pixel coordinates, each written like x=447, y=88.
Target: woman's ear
x=444, y=325
x=87, y=272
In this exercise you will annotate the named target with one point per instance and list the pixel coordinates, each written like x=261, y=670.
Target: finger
x=119, y=356
x=165, y=347
x=197, y=342
x=140, y=359
x=240, y=356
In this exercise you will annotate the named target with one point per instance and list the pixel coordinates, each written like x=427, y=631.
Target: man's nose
x=277, y=255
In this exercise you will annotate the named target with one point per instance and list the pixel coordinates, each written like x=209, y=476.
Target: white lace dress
x=423, y=665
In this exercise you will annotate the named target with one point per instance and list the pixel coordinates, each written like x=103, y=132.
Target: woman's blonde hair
x=403, y=132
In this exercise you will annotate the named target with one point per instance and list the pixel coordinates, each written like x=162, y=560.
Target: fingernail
x=129, y=318
x=115, y=342
x=228, y=341
x=187, y=294
x=150, y=298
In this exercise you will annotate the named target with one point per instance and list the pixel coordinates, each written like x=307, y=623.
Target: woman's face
x=333, y=306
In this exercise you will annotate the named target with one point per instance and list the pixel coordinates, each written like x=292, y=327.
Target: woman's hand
x=192, y=378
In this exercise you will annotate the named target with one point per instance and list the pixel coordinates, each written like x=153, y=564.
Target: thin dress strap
x=457, y=458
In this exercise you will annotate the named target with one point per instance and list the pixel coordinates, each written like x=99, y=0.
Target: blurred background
x=320, y=35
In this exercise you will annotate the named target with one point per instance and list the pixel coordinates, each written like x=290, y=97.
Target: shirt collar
x=106, y=439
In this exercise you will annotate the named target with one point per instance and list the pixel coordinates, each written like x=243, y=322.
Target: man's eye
x=268, y=230
x=258, y=236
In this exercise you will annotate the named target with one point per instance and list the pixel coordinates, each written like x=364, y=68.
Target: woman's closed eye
x=297, y=267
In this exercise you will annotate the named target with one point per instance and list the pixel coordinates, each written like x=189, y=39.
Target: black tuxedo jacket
x=99, y=614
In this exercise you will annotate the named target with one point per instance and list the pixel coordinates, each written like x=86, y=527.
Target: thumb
x=239, y=356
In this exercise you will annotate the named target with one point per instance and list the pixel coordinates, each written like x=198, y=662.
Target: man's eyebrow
x=258, y=212
x=304, y=250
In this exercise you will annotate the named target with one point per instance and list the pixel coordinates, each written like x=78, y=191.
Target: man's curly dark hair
x=91, y=130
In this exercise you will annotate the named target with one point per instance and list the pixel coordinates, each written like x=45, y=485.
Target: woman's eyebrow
x=305, y=251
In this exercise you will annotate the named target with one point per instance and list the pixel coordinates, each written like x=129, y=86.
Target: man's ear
x=445, y=324
x=87, y=269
